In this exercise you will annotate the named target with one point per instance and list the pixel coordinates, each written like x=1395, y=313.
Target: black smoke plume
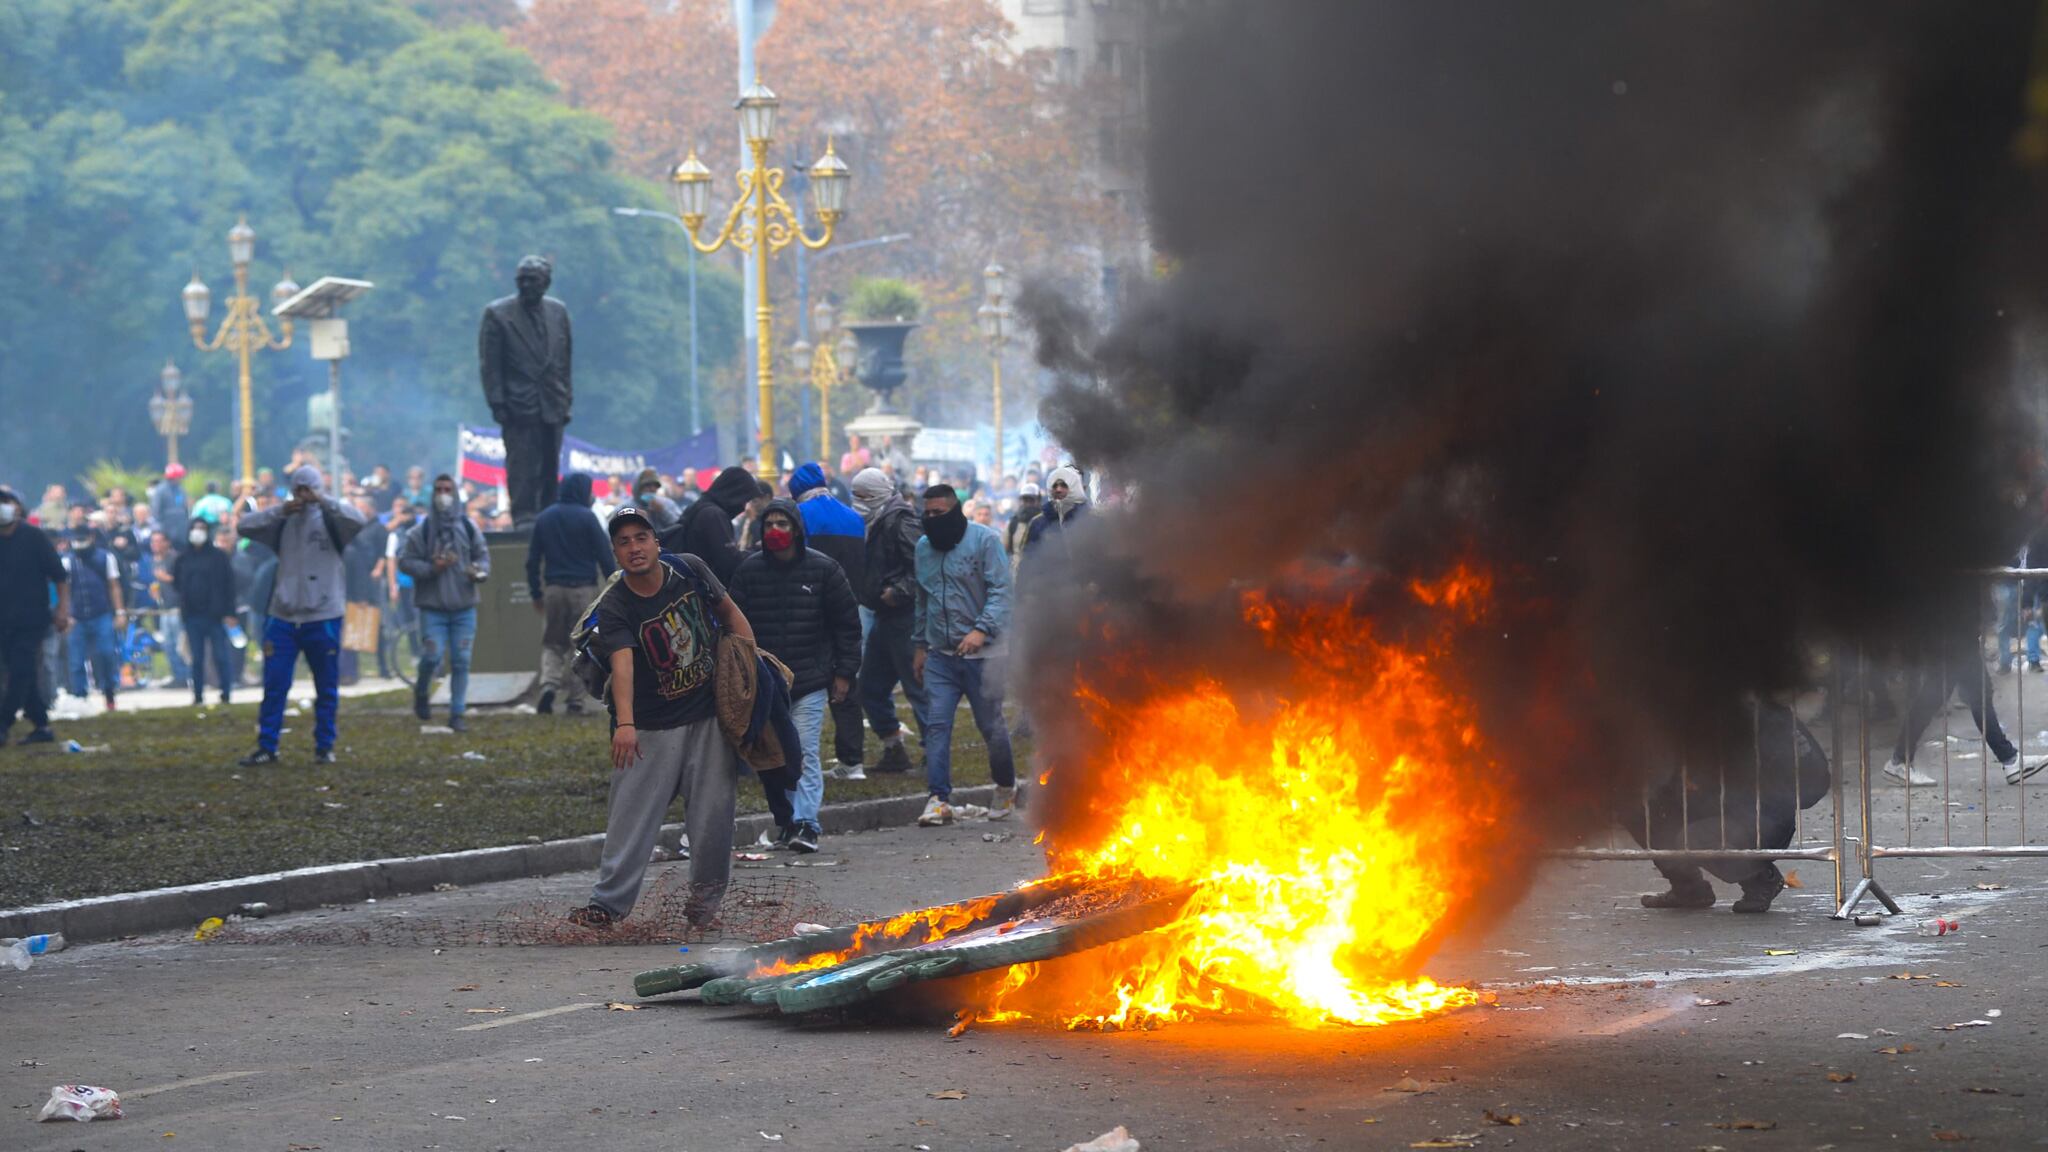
x=1695, y=324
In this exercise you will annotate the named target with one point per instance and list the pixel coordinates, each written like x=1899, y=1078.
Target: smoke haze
x=1694, y=324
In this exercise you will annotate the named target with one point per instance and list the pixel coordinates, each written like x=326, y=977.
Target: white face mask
x=9, y=512
x=197, y=538
x=444, y=501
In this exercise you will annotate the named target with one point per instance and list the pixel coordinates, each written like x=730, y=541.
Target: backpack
x=591, y=669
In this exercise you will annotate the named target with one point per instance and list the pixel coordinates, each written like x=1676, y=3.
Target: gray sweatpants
x=693, y=762
x=561, y=606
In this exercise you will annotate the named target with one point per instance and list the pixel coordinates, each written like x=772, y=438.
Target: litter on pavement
x=1114, y=1140
x=81, y=1102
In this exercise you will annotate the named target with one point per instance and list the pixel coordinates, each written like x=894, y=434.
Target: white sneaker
x=936, y=812
x=2024, y=767
x=840, y=771
x=1908, y=775
x=1005, y=804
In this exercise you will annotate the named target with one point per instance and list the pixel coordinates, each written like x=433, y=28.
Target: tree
x=360, y=140
x=951, y=135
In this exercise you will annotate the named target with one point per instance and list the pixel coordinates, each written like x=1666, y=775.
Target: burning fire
x=1331, y=833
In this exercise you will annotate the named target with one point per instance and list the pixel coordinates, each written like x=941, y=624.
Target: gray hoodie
x=310, y=584
x=451, y=589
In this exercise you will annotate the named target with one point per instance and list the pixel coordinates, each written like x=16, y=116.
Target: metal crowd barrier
x=1853, y=837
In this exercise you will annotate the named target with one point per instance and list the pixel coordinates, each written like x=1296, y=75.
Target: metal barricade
x=1855, y=831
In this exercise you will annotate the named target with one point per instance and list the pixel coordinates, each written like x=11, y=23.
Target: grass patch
x=166, y=803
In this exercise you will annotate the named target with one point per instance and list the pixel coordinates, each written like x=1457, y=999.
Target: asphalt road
x=1607, y=1035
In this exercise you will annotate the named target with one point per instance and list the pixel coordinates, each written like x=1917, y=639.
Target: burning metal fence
x=1862, y=814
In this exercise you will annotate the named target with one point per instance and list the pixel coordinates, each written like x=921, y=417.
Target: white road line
x=523, y=1017
x=1631, y=1023
x=194, y=1082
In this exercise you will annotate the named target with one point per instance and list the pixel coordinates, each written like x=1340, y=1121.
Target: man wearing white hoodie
x=307, y=599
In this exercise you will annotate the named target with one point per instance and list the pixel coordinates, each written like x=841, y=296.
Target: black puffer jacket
x=888, y=583
x=705, y=531
x=802, y=610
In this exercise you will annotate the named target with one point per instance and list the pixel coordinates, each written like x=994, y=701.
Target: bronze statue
x=523, y=350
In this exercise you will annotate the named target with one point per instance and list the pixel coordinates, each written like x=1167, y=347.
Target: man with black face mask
x=963, y=609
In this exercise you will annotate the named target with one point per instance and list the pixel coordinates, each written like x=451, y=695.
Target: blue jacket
x=962, y=590
x=829, y=526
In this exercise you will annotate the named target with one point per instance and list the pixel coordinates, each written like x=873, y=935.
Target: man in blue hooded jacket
x=838, y=531
x=569, y=554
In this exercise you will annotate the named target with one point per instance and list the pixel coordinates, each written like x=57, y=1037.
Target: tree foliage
x=951, y=135
x=360, y=140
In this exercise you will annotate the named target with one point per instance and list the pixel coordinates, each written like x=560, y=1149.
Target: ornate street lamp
x=170, y=410
x=762, y=223
x=242, y=331
x=825, y=366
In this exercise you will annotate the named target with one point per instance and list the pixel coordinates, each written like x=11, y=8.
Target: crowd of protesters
x=855, y=580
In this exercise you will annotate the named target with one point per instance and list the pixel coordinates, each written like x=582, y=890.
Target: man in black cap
x=657, y=631
x=29, y=567
x=523, y=352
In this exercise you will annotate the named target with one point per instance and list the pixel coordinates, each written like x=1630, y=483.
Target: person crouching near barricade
x=653, y=632
x=1771, y=767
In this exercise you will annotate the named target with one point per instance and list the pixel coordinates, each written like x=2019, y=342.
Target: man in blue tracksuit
x=308, y=597
x=838, y=531
x=963, y=609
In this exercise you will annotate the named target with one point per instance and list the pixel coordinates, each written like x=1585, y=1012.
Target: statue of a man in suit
x=523, y=350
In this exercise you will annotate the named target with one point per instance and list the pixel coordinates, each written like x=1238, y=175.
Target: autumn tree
x=953, y=137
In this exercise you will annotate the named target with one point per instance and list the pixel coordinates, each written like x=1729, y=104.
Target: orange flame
x=1333, y=832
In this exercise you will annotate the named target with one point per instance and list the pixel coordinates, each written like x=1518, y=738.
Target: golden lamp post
x=760, y=222
x=996, y=323
x=826, y=365
x=170, y=410
x=242, y=331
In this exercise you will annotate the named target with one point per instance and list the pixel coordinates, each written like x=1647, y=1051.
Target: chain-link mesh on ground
x=755, y=909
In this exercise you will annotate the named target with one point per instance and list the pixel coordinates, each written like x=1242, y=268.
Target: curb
x=97, y=918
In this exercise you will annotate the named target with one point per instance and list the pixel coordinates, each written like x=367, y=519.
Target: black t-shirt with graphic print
x=673, y=635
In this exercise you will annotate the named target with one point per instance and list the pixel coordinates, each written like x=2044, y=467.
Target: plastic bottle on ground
x=1938, y=927
x=23, y=952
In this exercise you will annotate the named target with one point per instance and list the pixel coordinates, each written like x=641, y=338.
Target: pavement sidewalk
x=69, y=707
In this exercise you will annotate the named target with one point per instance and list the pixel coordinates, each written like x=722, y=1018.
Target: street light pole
x=170, y=410
x=995, y=317
x=761, y=222
x=696, y=406
x=242, y=330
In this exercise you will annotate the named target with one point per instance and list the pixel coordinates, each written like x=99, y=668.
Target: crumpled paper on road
x=1114, y=1140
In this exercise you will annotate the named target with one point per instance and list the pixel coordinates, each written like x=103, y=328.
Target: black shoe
x=40, y=736
x=546, y=707
x=3, y=737
x=419, y=700
x=593, y=916
x=324, y=756
x=224, y=699
x=805, y=841
x=785, y=834
x=1695, y=894
x=258, y=758
x=895, y=758
x=457, y=724
x=1757, y=894
x=2033, y=665
x=575, y=708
